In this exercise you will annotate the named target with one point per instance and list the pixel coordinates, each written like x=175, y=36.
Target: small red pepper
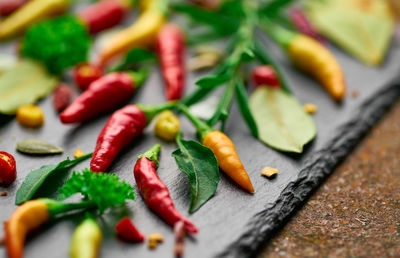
x=103, y=95
x=104, y=14
x=155, y=193
x=122, y=127
x=128, y=231
x=265, y=75
x=171, y=51
x=62, y=96
x=84, y=74
x=9, y=6
x=8, y=170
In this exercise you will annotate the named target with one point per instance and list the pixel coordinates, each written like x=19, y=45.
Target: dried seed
x=269, y=172
x=154, y=240
x=310, y=108
x=35, y=146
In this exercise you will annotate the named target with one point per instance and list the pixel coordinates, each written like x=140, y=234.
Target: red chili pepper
x=122, y=127
x=128, y=231
x=62, y=96
x=102, y=96
x=171, y=51
x=84, y=74
x=265, y=75
x=8, y=171
x=9, y=6
x=302, y=24
x=155, y=193
x=104, y=14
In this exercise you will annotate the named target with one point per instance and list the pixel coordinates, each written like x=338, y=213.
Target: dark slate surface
x=227, y=221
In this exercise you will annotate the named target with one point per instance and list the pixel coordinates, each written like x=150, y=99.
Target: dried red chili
x=128, y=231
x=8, y=170
x=171, y=51
x=155, y=193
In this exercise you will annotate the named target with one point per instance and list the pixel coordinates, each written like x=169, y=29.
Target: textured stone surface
x=356, y=211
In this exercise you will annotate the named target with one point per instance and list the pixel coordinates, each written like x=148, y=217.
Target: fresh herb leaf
x=23, y=84
x=37, y=178
x=281, y=121
x=213, y=81
x=199, y=163
x=106, y=190
x=242, y=99
x=35, y=146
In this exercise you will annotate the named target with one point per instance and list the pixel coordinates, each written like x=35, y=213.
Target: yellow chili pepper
x=30, y=116
x=313, y=58
x=86, y=240
x=142, y=33
x=167, y=125
x=28, y=14
x=26, y=218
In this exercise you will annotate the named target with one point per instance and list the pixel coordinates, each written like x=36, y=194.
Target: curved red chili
x=121, y=128
x=8, y=171
x=104, y=14
x=155, y=193
x=171, y=51
x=103, y=95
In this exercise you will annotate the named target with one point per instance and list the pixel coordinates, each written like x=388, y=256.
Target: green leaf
x=242, y=99
x=199, y=163
x=281, y=121
x=37, y=179
x=35, y=146
x=363, y=28
x=213, y=81
x=106, y=190
x=24, y=84
x=134, y=57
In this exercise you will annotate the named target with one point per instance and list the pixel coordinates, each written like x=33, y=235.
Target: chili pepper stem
x=151, y=110
x=152, y=154
x=56, y=207
x=139, y=77
x=201, y=126
x=279, y=34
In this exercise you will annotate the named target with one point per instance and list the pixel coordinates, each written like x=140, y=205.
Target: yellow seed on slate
x=154, y=240
x=310, y=108
x=30, y=116
x=269, y=172
x=78, y=153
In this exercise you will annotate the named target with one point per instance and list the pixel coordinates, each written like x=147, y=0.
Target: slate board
x=233, y=223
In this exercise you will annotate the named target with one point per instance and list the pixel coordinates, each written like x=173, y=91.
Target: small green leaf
x=199, y=163
x=37, y=178
x=106, y=190
x=213, y=81
x=23, y=84
x=243, y=103
x=281, y=121
x=35, y=146
x=134, y=57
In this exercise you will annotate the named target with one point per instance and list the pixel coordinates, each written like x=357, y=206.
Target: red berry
x=265, y=75
x=8, y=171
x=84, y=74
x=62, y=96
x=128, y=231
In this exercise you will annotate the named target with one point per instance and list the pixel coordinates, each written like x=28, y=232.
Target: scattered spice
x=180, y=234
x=154, y=240
x=30, y=116
x=269, y=172
x=78, y=153
x=310, y=108
x=4, y=193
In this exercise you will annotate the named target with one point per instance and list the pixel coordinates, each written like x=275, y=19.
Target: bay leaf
x=200, y=165
x=37, y=179
x=36, y=146
x=364, y=28
x=23, y=84
x=281, y=121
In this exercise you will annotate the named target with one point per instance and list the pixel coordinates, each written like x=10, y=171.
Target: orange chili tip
x=26, y=218
x=228, y=159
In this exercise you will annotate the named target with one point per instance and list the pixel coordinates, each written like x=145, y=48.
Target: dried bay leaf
x=281, y=121
x=35, y=146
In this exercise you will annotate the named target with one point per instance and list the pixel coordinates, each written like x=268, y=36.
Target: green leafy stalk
x=38, y=179
x=243, y=102
x=200, y=165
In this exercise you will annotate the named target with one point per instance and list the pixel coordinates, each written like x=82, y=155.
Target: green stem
x=196, y=96
x=139, y=77
x=280, y=35
x=152, y=111
x=152, y=153
x=76, y=161
x=56, y=208
x=202, y=128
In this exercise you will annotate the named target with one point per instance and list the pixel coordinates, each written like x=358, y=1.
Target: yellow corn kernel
x=78, y=153
x=30, y=116
x=269, y=172
x=310, y=108
x=167, y=126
